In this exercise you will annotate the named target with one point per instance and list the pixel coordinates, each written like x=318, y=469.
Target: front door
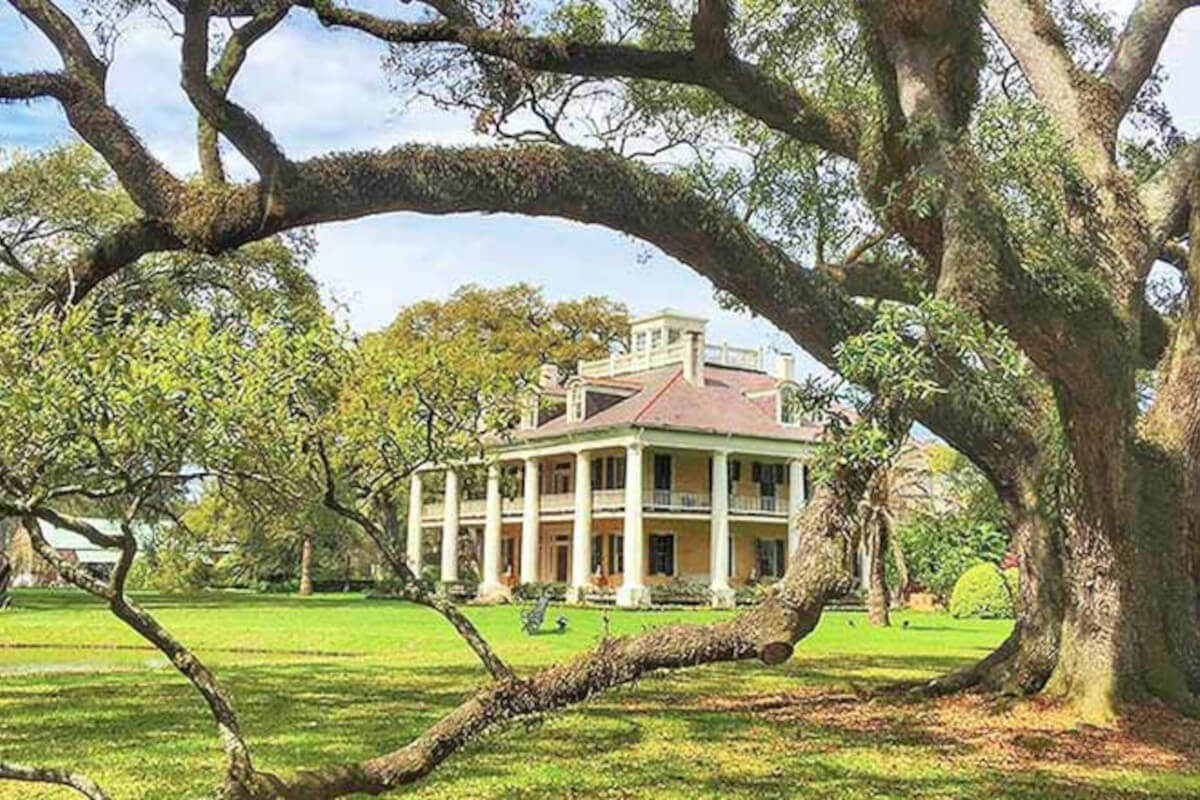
x=768, y=496
x=562, y=561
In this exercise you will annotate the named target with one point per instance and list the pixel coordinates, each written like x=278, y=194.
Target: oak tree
x=1003, y=171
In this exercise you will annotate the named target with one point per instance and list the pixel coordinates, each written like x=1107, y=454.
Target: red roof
x=665, y=400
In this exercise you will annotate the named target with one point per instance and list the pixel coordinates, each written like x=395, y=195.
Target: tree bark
x=306, y=559
x=5, y=580
x=878, y=597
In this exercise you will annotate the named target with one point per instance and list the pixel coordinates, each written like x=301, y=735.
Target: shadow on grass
x=658, y=738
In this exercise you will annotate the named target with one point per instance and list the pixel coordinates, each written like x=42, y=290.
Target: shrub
x=171, y=571
x=983, y=591
x=280, y=586
x=530, y=592
x=680, y=592
x=141, y=576
x=939, y=549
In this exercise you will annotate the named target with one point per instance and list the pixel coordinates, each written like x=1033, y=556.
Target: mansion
x=679, y=460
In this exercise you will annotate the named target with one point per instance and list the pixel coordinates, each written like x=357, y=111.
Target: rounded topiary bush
x=981, y=592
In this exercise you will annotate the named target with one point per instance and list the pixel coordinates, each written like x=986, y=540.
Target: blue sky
x=321, y=90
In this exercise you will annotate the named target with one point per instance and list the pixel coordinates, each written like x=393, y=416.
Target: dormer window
x=529, y=412
x=656, y=338
x=791, y=411
x=639, y=342
x=576, y=402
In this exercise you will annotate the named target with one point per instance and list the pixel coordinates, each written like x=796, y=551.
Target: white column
x=581, y=539
x=796, y=503
x=722, y=595
x=530, y=523
x=491, y=585
x=413, y=549
x=450, y=529
x=633, y=592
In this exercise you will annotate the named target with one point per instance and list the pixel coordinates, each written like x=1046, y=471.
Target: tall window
x=614, y=472
x=608, y=473
x=561, y=480
x=597, y=553
x=662, y=554
x=508, y=559
x=616, y=553
x=656, y=339
x=770, y=557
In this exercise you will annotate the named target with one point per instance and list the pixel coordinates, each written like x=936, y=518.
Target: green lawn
x=338, y=677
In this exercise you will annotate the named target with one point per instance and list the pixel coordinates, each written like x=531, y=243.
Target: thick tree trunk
x=878, y=597
x=1130, y=625
x=5, y=580
x=306, y=559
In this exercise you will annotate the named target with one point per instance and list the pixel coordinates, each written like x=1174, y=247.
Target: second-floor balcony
x=562, y=504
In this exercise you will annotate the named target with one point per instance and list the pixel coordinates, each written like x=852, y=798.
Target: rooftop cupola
x=665, y=329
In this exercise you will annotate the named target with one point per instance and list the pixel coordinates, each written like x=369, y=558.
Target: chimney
x=549, y=376
x=785, y=367
x=693, y=358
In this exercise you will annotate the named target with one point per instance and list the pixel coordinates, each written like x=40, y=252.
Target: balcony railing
x=662, y=500
x=749, y=504
x=557, y=503
x=608, y=500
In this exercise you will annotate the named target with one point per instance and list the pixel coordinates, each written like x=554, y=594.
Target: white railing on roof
x=632, y=362
x=718, y=354
x=736, y=357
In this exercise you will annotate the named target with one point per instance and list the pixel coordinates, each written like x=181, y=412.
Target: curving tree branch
x=221, y=79
x=240, y=127
x=818, y=571
x=80, y=90
x=71, y=780
x=32, y=85
x=739, y=83
x=411, y=588
x=1074, y=97
x=1165, y=197
x=1140, y=45
x=240, y=770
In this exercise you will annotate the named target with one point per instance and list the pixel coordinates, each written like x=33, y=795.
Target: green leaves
x=123, y=406
x=913, y=353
